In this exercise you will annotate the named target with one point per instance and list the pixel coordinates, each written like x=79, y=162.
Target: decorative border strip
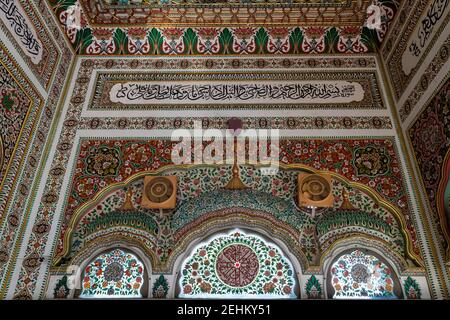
x=407, y=8
x=299, y=123
x=101, y=13
x=192, y=39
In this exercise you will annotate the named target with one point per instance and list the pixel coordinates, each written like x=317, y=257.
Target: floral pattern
x=371, y=161
x=313, y=288
x=361, y=276
x=103, y=161
x=333, y=155
x=412, y=289
x=430, y=138
x=211, y=269
x=201, y=196
x=233, y=40
x=61, y=290
x=14, y=106
x=113, y=274
x=160, y=288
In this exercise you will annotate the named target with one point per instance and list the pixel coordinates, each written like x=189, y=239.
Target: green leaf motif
x=83, y=40
x=261, y=38
x=226, y=41
x=313, y=288
x=121, y=41
x=412, y=289
x=190, y=39
x=156, y=40
x=160, y=288
x=370, y=39
x=296, y=39
x=331, y=40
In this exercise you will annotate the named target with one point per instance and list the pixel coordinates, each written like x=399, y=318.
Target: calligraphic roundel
x=237, y=265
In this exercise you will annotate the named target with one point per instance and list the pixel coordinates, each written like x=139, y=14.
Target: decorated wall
x=35, y=63
x=75, y=154
x=110, y=138
x=416, y=57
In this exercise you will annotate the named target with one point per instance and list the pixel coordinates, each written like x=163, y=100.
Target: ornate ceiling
x=128, y=27
x=225, y=13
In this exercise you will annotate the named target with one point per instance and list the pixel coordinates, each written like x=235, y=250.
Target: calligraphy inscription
x=423, y=34
x=18, y=23
x=238, y=92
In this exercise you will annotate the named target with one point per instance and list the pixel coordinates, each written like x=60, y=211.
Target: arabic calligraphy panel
x=234, y=90
x=430, y=21
x=24, y=29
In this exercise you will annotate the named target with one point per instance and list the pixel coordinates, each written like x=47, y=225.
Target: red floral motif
x=314, y=40
x=208, y=33
x=244, y=33
x=237, y=265
x=187, y=289
x=172, y=33
x=280, y=33
x=314, y=32
x=173, y=43
x=279, y=40
x=102, y=34
x=137, y=33
x=350, y=31
x=332, y=155
x=208, y=42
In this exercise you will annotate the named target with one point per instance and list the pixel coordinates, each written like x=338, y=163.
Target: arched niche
x=88, y=256
x=355, y=270
x=237, y=263
x=279, y=211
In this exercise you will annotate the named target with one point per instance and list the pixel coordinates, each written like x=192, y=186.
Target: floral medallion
x=103, y=161
x=237, y=265
x=371, y=161
x=361, y=276
x=113, y=274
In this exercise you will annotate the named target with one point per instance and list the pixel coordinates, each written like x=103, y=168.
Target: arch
x=216, y=259
x=259, y=222
x=360, y=251
x=105, y=245
x=291, y=167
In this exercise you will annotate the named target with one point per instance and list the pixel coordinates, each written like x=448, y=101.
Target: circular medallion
x=114, y=272
x=360, y=273
x=159, y=189
x=315, y=187
x=237, y=265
